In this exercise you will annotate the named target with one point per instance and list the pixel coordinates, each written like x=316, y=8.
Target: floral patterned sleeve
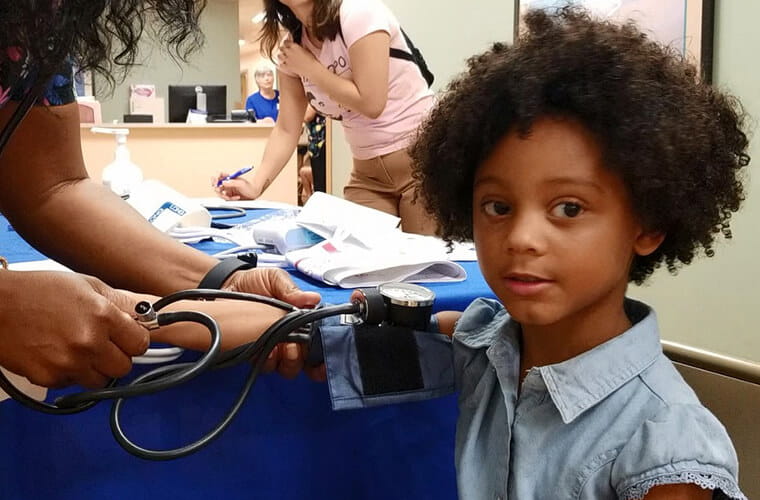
x=17, y=79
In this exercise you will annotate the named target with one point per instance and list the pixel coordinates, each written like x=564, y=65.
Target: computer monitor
x=182, y=98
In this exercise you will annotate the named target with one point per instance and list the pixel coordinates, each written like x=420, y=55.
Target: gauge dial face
x=407, y=294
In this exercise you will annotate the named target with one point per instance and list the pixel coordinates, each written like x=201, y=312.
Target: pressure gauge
x=407, y=304
x=391, y=304
x=407, y=294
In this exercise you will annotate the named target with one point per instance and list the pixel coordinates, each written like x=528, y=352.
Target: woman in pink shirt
x=337, y=58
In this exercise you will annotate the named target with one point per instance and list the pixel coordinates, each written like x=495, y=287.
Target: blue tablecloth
x=286, y=442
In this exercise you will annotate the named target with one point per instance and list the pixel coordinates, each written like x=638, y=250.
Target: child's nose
x=525, y=234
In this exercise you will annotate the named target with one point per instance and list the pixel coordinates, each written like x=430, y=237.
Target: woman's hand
x=272, y=282
x=240, y=321
x=287, y=359
x=61, y=328
x=236, y=189
x=294, y=58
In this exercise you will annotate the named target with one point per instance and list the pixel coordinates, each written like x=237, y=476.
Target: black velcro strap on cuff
x=388, y=359
x=218, y=274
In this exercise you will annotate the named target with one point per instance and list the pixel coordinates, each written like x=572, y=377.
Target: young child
x=579, y=159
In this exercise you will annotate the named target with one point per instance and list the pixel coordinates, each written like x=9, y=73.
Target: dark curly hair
x=676, y=141
x=100, y=35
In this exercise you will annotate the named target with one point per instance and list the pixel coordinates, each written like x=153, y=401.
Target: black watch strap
x=218, y=274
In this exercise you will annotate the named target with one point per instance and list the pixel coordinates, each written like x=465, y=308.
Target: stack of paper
x=350, y=266
x=363, y=247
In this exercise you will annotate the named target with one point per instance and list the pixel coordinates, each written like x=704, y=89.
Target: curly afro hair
x=676, y=141
x=99, y=35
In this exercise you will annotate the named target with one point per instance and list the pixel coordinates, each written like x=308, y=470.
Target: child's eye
x=495, y=208
x=567, y=209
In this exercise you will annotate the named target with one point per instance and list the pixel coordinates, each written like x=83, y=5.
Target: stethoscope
x=393, y=304
x=289, y=328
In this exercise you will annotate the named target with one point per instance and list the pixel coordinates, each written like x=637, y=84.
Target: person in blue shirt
x=600, y=157
x=264, y=103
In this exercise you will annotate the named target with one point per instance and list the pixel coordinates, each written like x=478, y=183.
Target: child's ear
x=647, y=242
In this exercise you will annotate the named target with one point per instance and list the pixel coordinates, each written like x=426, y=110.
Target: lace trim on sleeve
x=724, y=487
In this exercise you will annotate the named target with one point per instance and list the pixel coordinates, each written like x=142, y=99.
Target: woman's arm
x=63, y=328
x=239, y=321
x=282, y=142
x=366, y=91
x=50, y=200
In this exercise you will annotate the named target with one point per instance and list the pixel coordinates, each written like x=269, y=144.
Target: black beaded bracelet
x=218, y=274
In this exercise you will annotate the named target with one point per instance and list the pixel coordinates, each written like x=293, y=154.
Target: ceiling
x=249, y=31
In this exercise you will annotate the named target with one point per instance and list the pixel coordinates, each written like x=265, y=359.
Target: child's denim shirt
x=612, y=422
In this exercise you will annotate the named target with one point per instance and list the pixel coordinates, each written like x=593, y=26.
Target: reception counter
x=186, y=156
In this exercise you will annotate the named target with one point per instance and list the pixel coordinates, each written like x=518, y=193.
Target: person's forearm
x=280, y=147
x=51, y=202
x=240, y=322
x=88, y=228
x=447, y=321
x=346, y=93
x=366, y=92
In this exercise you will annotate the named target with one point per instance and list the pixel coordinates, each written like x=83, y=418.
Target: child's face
x=554, y=230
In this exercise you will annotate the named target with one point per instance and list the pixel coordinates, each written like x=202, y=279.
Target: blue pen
x=235, y=175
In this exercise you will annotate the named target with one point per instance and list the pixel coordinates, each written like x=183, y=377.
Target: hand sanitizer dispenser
x=121, y=175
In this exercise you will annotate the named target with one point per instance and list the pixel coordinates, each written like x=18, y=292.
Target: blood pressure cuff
x=379, y=365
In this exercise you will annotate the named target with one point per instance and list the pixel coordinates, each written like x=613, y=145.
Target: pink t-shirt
x=409, y=98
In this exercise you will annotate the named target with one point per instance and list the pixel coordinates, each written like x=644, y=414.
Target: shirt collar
x=579, y=383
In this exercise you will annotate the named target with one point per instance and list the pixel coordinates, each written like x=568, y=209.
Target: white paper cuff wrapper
x=165, y=208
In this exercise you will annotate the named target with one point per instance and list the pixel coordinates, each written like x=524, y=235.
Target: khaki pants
x=385, y=183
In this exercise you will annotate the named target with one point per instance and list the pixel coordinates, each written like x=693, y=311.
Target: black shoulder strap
x=21, y=111
x=415, y=56
x=402, y=54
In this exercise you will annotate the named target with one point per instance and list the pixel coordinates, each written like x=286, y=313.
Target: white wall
x=447, y=32
x=216, y=63
x=713, y=303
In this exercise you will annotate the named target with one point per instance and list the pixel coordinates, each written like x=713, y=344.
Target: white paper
x=239, y=234
x=166, y=208
x=38, y=265
x=333, y=217
x=432, y=245
x=348, y=266
x=464, y=251
x=211, y=203
x=22, y=384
